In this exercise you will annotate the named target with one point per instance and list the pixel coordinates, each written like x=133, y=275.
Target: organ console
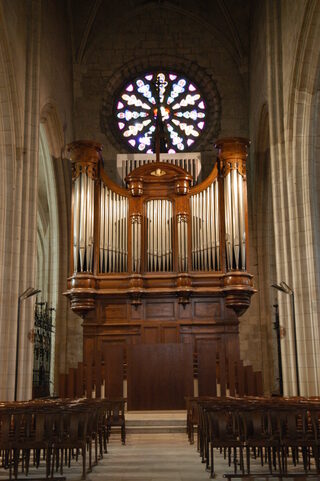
x=162, y=259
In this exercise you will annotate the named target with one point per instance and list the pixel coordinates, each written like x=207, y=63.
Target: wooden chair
x=116, y=418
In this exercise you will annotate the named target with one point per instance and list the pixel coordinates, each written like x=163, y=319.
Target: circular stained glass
x=182, y=112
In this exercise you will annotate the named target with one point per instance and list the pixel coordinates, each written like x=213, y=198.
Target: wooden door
x=159, y=376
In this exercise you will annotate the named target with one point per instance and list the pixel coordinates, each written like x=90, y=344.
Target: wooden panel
x=160, y=310
x=159, y=376
x=79, y=380
x=207, y=363
x=97, y=370
x=169, y=334
x=185, y=311
x=113, y=358
x=207, y=309
x=115, y=311
x=222, y=370
x=71, y=383
x=62, y=385
x=151, y=334
x=240, y=378
x=88, y=356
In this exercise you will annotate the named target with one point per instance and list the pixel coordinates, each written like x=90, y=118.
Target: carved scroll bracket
x=238, y=289
x=184, y=289
x=85, y=156
x=82, y=293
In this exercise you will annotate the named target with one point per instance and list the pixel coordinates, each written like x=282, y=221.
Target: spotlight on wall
x=283, y=287
x=31, y=291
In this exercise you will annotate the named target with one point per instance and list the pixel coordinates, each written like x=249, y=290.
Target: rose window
x=182, y=112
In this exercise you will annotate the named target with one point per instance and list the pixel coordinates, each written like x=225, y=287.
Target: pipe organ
x=189, y=161
x=113, y=253
x=205, y=229
x=162, y=259
x=159, y=235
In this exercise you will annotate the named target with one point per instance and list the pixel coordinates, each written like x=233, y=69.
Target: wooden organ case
x=160, y=277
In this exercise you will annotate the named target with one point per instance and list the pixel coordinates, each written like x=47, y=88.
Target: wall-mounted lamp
x=31, y=291
x=283, y=287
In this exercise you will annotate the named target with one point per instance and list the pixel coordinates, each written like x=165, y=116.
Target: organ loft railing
x=159, y=234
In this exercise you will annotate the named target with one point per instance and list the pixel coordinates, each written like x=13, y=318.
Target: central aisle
x=150, y=457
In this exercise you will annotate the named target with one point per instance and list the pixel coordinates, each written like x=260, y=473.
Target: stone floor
x=149, y=457
x=160, y=457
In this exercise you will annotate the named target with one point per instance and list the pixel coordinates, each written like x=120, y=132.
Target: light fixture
x=31, y=291
x=283, y=287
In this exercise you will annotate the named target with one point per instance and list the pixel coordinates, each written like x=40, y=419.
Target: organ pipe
x=215, y=201
x=182, y=242
x=159, y=226
x=235, y=220
x=83, y=223
x=113, y=231
x=136, y=243
x=159, y=235
x=205, y=235
x=242, y=226
x=76, y=222
x=190, y=165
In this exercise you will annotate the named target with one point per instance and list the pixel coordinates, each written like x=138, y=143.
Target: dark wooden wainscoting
x=159, y=376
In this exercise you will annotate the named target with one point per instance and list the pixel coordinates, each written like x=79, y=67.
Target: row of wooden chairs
x=57, y=431
x=271, y=429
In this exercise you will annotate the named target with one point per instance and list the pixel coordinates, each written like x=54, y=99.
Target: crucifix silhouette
x=161, y=134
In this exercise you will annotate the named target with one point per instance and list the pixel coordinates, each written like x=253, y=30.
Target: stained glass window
x=183, y=112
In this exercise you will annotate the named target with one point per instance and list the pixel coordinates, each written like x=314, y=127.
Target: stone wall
x=154, y=36
x=284, y=82
x=28, y=77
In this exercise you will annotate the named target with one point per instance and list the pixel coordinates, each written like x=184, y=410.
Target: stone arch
x=304, y=194
x=10, y=201
x=68, y=348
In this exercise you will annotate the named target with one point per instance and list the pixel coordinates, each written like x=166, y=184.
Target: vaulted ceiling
x=229, y=20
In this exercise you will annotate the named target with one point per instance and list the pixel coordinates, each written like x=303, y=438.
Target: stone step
x=155, y=422
x=155, y=429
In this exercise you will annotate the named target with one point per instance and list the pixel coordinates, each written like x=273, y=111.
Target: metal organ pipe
x=228, y=219
x=235, y=220
x=76, y=222
x=205, y=234
x=215, y=202
x=242, y=226
x=83, y=223
x=113, y=231
x=159, y=235
x=182, y=242
x=83, y=220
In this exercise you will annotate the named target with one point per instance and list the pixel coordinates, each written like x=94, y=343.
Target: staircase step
x=155, y=429
x=155, y=422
